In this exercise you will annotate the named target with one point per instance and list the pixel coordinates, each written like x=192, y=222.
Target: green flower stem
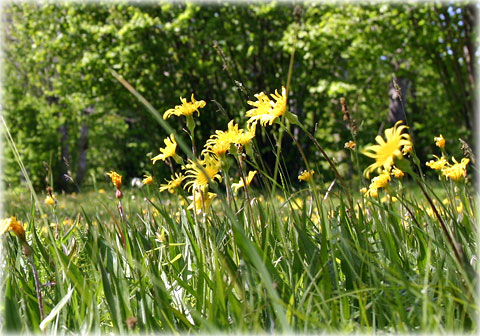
x=225, y=167
x=277, y=160
x=330, y=162
x=28, y=253
x=456, y=246
x=247, y=195
x=287, y=89
x=191, y=129
x=312, y=187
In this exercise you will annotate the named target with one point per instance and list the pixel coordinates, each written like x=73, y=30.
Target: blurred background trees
x=67, y=113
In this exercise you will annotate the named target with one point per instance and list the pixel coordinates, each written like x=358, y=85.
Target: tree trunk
x=65, y=154
x=397, y=95
x=83, y=146
x=82, y=154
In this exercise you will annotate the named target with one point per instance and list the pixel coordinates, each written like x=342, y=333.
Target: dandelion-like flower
x=350, y=145
x=406, y=149
x=372, y=192
x=457, y=170
x=186, y=109
x=173, y=184
x=397, y=173
x=386, y=152
x=50, y=200
x=197, y=198
x=306, y=175
x=168, y=151
x=246, y=136
x=439, y=164
x=440, y=141
x=236, y=186
x=116, y=179
x=380, y=181
x=148, y=179
x=201, y=173
x=262, y=105
x=267, y=111
x=14, y=225
x=220, y=142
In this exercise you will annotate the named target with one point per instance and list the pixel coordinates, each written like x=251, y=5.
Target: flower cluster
x=385, y=153
x=455, y=171
x=208, y=168
x=221, y=142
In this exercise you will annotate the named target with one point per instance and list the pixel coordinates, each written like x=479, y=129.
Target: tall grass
x=297, y=260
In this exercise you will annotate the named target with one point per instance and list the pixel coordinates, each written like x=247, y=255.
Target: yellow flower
x=201, y=173
x=279, y=107
x=397, y=172
x=363, y=190
x=245, y=137
x=236, y=186
x=220, y=142
x=386, y=152
x=297, y=203
x=101, y=191
x=262, y=105
x=437, y=165
x=50, y=200
x=406, y=149
x=147, y=180
x=440, y=141
x=460, y=208
x=372, y=192
x=380, y=181
x=267, y=111
x=197, y=198
x=306, y=176
x=168, y=151
x=186, y=109
x=457, y=170
x=67, y=221
x=174, y=183
x=116, y=179
x=13, y=225
x=350, y=144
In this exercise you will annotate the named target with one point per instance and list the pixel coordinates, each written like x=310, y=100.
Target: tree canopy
x=67, y=112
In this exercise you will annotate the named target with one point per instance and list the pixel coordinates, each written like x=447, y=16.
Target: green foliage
x=57, y=80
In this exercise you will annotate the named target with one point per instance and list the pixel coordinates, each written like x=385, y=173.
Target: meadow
x=227, y=245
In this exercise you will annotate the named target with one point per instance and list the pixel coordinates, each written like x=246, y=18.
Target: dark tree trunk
x=82, y=154
x=397, y=96
x=83, y=146
x=64, y=160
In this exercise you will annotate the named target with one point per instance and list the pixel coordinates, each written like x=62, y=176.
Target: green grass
x=312, y=267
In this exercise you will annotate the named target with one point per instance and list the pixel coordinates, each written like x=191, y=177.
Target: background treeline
x=67, y=112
